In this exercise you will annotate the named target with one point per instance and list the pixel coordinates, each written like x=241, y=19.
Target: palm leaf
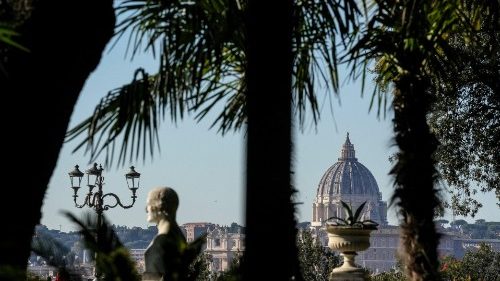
x=202, y=51
x=348, y=211
x=370, y=222
x=340, y=221
x=98, y=238
x=113, y=261
x=130, y=110
x=56, y=255
x=358, y=211
x=190, y=254
x=6, y=36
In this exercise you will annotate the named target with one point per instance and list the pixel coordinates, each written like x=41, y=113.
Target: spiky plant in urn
x=349, y=235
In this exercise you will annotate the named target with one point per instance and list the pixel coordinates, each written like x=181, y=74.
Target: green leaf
x=358, y=212
x=348, y=212
x=6, y=35
x=340, y=221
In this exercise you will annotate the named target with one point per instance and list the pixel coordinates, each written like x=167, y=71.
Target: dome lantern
x=347, y=152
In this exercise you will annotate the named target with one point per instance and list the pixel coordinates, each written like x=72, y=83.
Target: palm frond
x=191, y=254
x=387, y=33
x=98, y=238
x=130, y=110
x=7, y=35
x=113, y=261
x=56, y=255
x=202, y=50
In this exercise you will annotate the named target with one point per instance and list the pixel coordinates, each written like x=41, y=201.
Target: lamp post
x=95, y=198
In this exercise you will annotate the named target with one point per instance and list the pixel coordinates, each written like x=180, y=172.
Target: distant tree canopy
x=458, y=223
x=395, y=274
x=481, y=229
x=480, y=265
x=316, y=261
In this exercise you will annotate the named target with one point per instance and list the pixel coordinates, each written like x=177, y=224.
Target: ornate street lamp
x=95, y=198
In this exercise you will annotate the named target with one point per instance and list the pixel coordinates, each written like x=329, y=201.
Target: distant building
x=42, y=271
x=194, y=230
x=224, y=245
x=350, y=181
x=138, y=256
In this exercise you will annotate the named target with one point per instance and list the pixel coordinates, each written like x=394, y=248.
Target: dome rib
x=347, y=176
x=350, y=181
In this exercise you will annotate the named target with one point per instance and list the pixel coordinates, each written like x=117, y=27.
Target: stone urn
x=348, y=240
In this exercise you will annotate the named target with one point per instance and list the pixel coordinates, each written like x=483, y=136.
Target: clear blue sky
x=207, y=169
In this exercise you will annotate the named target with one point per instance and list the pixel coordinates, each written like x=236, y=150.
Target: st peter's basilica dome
x=350, y=181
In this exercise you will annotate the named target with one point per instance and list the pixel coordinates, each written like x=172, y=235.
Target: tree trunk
x=415, y=176
x=270, y=250
x=41, y=89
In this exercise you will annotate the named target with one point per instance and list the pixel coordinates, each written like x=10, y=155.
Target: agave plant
x=352, y=219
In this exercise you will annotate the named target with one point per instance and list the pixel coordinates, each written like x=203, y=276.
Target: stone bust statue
x=163, y=256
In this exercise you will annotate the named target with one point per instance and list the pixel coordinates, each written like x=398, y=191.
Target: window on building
x=217, y=242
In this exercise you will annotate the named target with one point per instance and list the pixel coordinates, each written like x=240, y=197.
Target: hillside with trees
x=480, y=229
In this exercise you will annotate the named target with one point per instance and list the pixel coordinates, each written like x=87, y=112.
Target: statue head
x=162, y=203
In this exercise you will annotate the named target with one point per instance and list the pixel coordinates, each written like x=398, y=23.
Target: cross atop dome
x=347, y=152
